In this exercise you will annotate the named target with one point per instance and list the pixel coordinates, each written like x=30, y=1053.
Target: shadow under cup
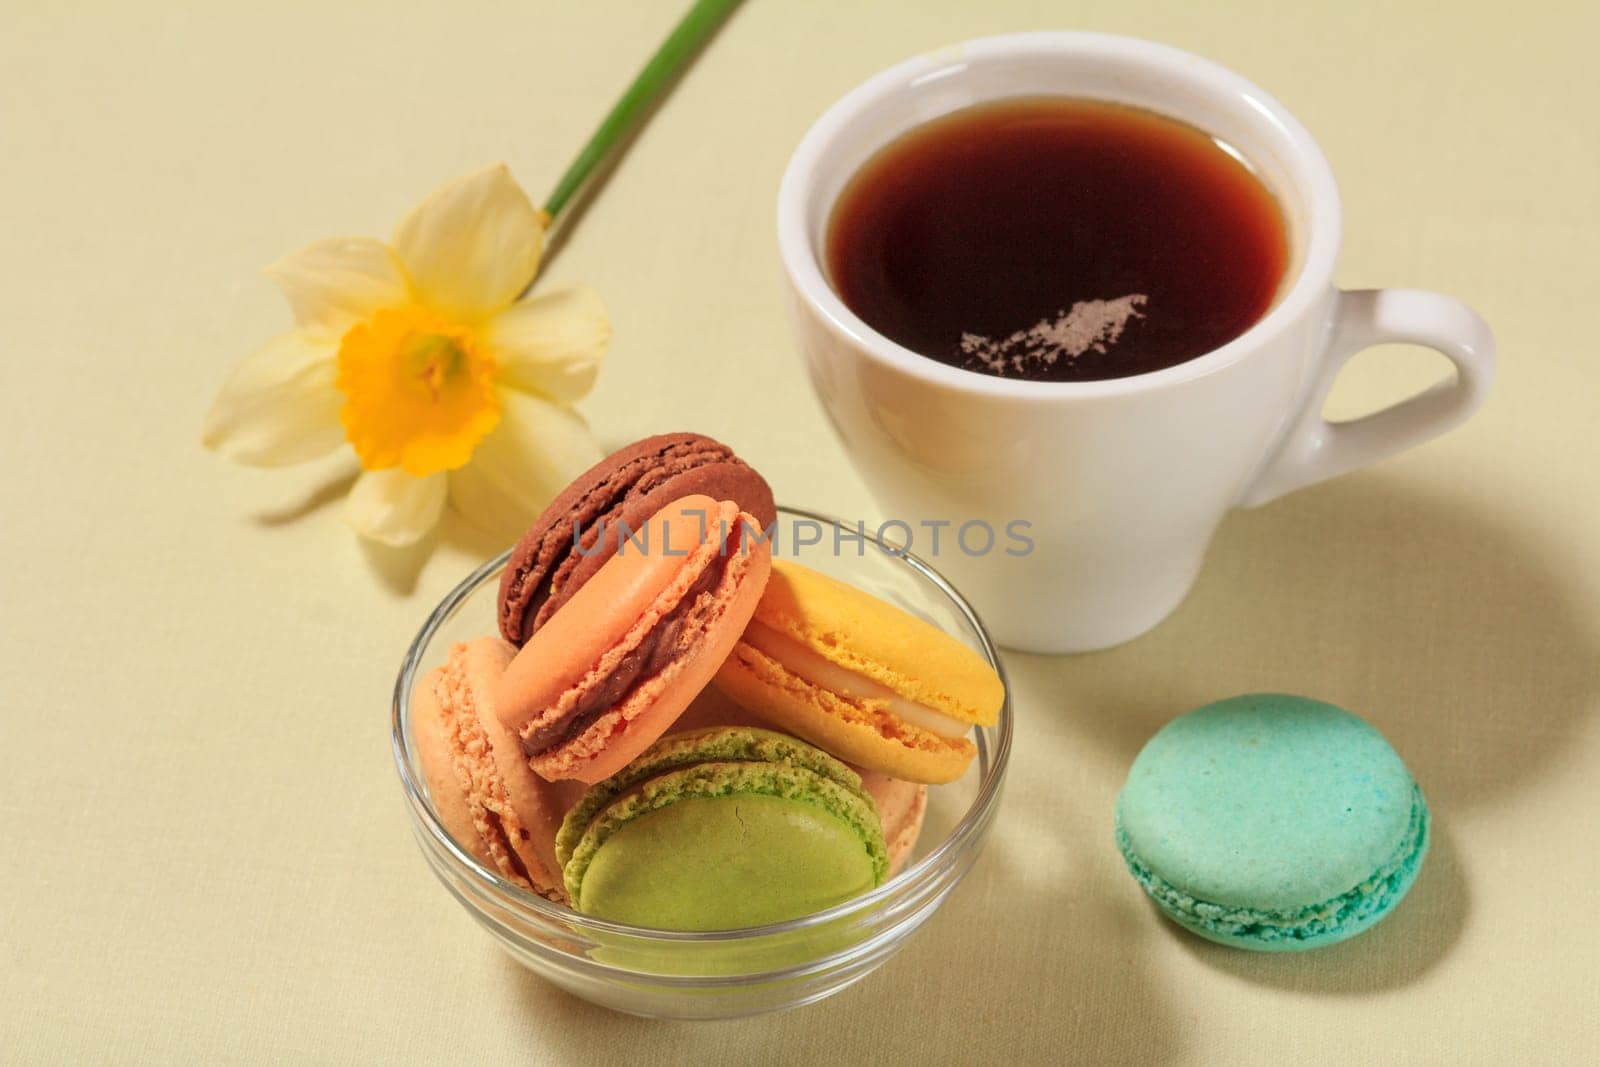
x=721, y=974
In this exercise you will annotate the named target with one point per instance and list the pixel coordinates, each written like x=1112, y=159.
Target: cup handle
x=1314, y=449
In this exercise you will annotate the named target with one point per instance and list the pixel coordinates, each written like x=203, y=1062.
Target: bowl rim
x=973, y=822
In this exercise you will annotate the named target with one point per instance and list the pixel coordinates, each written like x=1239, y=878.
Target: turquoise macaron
x=1272, y=822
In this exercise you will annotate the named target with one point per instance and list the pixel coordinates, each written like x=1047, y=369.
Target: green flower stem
x=679, y=47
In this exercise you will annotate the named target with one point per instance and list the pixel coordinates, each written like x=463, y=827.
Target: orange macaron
x=618, y=663
x=485, y=794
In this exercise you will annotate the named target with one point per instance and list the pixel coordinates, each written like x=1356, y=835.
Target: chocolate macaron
x=575, y=536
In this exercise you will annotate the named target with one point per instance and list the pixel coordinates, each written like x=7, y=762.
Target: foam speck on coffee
x=1088, y=326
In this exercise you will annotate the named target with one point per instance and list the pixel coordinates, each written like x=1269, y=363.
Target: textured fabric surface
x=206, y=855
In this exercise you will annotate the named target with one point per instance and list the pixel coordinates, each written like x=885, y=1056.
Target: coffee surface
x=1057, y=239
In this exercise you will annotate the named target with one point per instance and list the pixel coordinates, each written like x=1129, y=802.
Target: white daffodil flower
x=422, y=358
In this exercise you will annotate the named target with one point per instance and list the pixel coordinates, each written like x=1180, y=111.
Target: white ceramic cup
x=1122, y=481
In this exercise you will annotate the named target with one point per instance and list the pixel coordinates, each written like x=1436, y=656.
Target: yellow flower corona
x=419, y=392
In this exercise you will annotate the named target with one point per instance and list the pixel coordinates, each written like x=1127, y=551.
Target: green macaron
x=719, y=829
x=1272, y=822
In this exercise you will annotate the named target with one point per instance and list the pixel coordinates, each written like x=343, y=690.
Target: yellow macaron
x=860, y=678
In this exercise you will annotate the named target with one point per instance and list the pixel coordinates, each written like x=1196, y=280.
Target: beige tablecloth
x=205, y=855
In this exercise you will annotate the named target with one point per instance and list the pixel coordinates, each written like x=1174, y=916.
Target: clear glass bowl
x=722, y=974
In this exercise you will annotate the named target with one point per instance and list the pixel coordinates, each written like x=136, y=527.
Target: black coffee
x=1057, y=239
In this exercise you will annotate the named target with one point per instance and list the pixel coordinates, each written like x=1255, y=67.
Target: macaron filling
x=1349, y=911
x=653, y=654
x=665, y=635
x=812, y=667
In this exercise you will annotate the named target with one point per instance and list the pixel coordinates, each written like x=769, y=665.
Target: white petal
x=473, y=246
x=551, y=343
x=336, y=283
x=395, y=508
x=530, y=457
x=279, y=406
